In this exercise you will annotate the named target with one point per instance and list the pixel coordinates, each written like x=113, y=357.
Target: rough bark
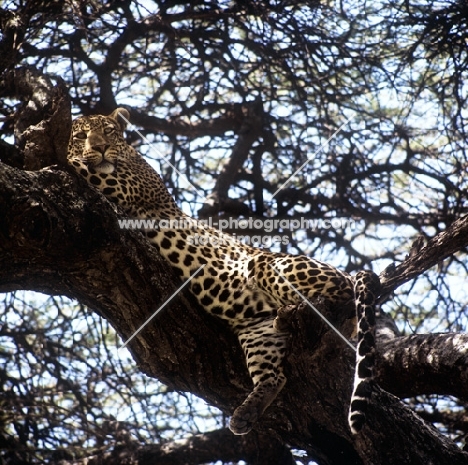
x=42, y=126
x=60, y=237
x=424, y=364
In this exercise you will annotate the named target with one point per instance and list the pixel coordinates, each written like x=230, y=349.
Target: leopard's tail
x=366, y=291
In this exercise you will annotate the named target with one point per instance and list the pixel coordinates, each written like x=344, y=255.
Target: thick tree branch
x=61, y=237
x=424, y=364
x=42, y=127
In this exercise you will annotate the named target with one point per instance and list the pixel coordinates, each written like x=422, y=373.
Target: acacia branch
x=454, y=239
x=424, y=364
x=42, y=127
x=230, y=119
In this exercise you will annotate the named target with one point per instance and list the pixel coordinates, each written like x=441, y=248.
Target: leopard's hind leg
x=264, y=349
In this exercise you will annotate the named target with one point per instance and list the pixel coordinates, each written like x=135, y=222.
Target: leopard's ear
x=121, y=117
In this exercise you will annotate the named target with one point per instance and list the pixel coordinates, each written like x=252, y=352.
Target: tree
x=364, y=106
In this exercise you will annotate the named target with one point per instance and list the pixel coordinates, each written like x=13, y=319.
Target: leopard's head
x=99, y=153
x=96, y=141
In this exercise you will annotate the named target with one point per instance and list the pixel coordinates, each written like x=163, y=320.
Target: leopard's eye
x=80, y=135
x=109, y=129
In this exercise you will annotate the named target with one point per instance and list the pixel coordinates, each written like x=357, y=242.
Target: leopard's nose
x=101, y=148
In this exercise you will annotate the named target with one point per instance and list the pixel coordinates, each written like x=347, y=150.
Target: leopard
x=242, y=285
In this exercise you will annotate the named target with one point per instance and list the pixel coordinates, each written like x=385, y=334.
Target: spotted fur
x=240, y=284
x=366, y=291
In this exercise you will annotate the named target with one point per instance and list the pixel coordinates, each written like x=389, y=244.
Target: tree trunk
x=59, y=236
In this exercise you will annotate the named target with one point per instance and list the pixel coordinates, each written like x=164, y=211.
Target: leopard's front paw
x=243, y=420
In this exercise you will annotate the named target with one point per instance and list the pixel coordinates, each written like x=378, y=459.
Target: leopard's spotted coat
x=239, y=283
